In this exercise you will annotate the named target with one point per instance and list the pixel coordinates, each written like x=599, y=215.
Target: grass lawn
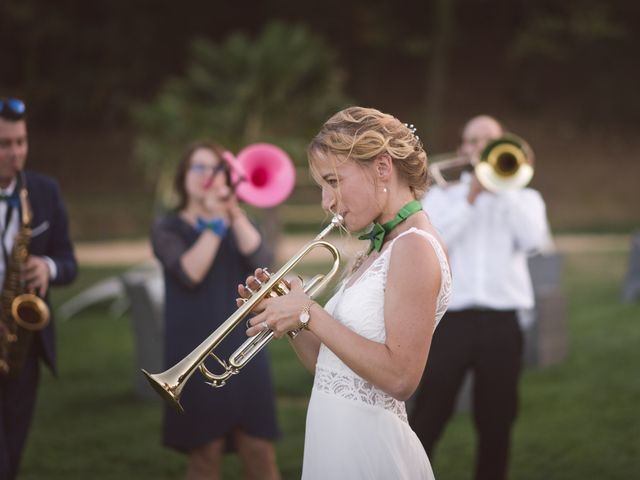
x=578, y=420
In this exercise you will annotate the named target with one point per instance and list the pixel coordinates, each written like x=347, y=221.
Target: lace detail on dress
x=354, y=388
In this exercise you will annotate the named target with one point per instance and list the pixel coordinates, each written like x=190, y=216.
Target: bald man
x=489, y=236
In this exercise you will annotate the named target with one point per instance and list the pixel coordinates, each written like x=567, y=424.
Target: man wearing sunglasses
x=51, y=261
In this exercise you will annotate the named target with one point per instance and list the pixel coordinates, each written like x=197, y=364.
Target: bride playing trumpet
x=368, y=346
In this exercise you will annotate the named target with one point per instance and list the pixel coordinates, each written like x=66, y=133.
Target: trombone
x=169, y=384
x=505, y=163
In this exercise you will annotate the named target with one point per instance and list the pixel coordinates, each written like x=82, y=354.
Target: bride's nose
x=328, y=199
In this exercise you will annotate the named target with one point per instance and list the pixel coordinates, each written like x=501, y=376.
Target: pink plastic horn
x=263, y=174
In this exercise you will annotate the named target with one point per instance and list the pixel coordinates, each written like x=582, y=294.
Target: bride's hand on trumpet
x=280, y=314
x=252, y=284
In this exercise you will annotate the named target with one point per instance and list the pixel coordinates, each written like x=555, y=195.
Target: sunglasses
x=12, y=109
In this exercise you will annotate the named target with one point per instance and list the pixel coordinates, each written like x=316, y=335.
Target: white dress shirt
x=488, y=243
x=9, y=236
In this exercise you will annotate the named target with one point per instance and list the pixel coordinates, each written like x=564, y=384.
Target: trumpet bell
x=168, y=387
x=263, y=174
x=505, y=163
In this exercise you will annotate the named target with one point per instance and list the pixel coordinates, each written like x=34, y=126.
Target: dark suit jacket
x=50, y=237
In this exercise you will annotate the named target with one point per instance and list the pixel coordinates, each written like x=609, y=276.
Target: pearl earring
x=384, y=189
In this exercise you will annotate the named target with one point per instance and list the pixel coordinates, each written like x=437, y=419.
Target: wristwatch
x=305, y=316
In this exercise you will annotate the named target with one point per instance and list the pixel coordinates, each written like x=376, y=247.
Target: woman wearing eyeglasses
x=206, y=248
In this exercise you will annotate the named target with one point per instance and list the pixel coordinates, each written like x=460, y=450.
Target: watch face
x=304, y=318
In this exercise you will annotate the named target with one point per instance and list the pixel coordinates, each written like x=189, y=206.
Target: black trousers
x=488, y=343
x=17, y=404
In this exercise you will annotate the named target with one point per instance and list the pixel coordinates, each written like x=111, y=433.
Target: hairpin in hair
x=413, y=130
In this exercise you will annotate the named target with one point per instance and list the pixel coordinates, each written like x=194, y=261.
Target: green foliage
x=278, y=87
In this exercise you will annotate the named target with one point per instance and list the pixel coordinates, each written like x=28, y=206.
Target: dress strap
x=442, y=257
x=445, y=272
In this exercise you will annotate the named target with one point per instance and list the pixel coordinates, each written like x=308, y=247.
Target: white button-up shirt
x=488, y=243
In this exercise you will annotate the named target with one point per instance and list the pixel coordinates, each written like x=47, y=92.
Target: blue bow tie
x=216, y=225
x=12, y=200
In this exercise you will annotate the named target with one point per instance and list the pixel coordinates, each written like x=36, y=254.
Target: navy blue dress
x=192, y=313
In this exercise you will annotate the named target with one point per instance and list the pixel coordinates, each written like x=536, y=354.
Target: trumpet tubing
x=446, y=163
x=169, y=384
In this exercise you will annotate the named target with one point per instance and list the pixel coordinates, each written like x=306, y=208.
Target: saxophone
x=21, y=312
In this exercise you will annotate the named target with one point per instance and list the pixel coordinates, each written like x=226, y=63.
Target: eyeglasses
x=12, y=109
x=200, y=169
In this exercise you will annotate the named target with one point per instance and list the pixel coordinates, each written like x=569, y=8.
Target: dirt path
x=123, y=253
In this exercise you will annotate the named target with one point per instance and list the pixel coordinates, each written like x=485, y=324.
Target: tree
x=278, y=88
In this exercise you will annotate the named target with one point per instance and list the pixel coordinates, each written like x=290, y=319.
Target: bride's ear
x=383, y=167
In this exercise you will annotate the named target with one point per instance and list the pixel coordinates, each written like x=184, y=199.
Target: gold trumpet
x=505, y=163
x=169, y=384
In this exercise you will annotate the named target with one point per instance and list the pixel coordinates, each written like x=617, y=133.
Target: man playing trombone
x=490, y=224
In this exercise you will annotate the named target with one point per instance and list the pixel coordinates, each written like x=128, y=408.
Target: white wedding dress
x=355, y=430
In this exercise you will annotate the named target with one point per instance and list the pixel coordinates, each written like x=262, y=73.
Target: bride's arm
x=413, y=282
x=307, y=346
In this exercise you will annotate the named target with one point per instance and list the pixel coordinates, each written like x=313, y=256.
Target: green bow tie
x=377, y=233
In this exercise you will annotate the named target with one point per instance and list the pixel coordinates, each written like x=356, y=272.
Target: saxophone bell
x=30, y=312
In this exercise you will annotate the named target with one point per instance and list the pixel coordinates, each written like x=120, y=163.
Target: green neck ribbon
x=377, y=233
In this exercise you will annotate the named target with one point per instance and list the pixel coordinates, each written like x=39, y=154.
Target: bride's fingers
x=256, y=325
x=251, y=286
x=243, y=291
x=296, y=284
x=262, y=274
x=245, y=296
x=254, y=283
